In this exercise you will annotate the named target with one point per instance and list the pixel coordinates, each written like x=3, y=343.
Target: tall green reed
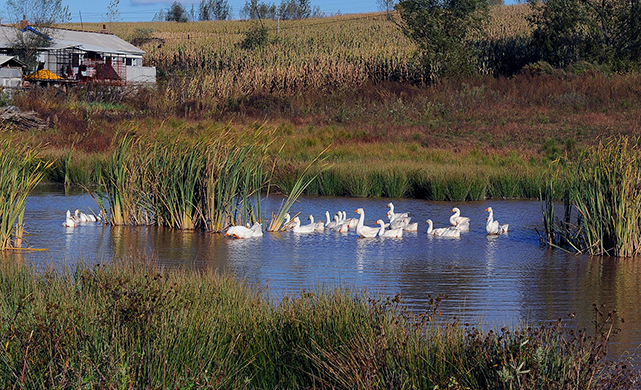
x=300, y=183
x=175, y=166
x=602, y=192
x=122, y=183
x=234, y=178
x=20, y=171
x=185, y=182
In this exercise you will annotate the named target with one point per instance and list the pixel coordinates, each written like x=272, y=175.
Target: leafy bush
x=604, y=32
x=255, y=37
x=440, y=29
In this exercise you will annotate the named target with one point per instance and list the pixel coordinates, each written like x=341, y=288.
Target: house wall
x=10, y=77
x=141, y=74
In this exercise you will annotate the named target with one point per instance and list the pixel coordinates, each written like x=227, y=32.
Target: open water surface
x=488, y=280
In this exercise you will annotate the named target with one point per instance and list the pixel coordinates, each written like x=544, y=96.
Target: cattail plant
x=20, y=171
x=603, y=195
x=207, y=182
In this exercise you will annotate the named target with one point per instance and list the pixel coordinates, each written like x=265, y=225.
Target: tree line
x=253, y=9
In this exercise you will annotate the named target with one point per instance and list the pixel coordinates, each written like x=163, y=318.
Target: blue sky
x=144, y=10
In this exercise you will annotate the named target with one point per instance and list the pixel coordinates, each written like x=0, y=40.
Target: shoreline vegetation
x=131, y=325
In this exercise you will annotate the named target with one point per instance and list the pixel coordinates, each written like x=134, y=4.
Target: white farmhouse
x=83, y=57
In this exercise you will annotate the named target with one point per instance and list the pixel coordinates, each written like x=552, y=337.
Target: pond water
x=488, y=280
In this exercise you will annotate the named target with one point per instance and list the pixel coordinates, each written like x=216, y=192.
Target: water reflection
x=496, y=280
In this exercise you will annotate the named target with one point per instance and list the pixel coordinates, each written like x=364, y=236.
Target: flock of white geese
x=396, y=225
x=78, y=217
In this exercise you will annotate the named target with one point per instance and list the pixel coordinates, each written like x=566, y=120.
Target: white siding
x=141, y=74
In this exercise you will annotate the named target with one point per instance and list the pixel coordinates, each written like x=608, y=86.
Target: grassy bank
x=128, y=325
x=492, y=128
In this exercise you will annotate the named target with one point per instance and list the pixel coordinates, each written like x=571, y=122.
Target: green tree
x=221, y=9
x=440, y=29
x=597, y=31
x=43, y=16
x=254, y=9
x=214, y=10
x=177, y=13
x=297, y=9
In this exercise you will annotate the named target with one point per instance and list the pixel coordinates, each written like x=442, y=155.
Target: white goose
x=338, y=218
x=394, y=218
x=297, y=228
x=462, y=223
x=318, y=226
x=391, y=215
x=330, y=224
x=388, y=233
x=244, y=232
x=451, y=232
x=364, y=231
x=82, y=217
x=342, y=226
x=70, y=221
x=287, y=225
x=403, y=223
x=411, y=227
x=492, y=226
x=351, y=222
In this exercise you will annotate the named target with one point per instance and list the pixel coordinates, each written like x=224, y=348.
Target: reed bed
x=72, y=166
x=130, y=325
x=451, y=181
x=602, y=199
x=21, y=170
x=207, y=182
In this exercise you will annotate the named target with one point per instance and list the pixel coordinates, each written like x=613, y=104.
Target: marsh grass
x=71, y=166
x=131, y=325
x=209, y=181
x=467, y=180
x=601, y=191
x=21, y=169
x=122, y=182
x=299, y=184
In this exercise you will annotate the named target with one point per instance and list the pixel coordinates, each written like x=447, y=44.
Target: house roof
x=84, y=40
x=10, y=61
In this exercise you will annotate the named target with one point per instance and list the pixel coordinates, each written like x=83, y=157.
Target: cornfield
x=203, y=67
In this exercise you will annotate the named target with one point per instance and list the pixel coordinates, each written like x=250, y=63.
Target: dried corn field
x=202, y=62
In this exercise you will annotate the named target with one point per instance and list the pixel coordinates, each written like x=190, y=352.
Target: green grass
x=130, y=325
x=466, y=179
